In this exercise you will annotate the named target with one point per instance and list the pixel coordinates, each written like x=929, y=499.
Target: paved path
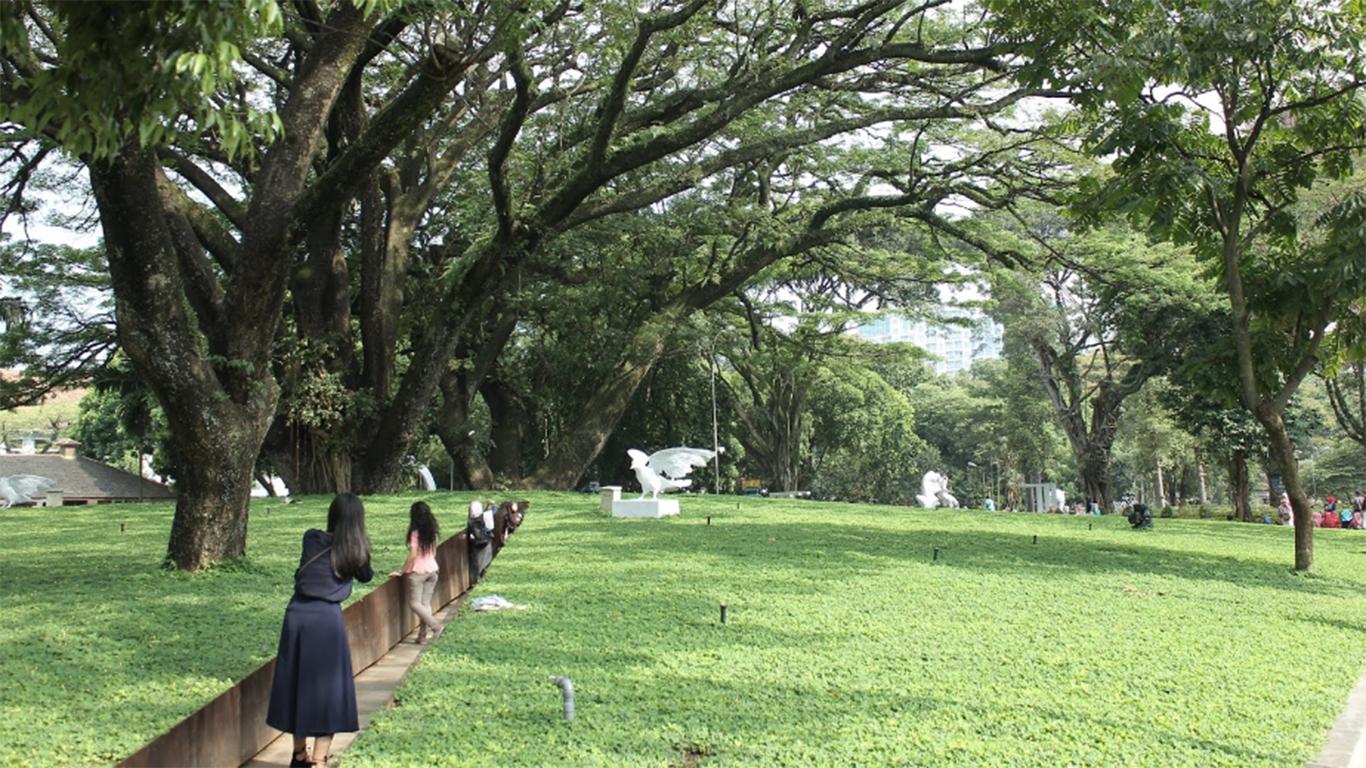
x=375, y=687
x=1346, y=746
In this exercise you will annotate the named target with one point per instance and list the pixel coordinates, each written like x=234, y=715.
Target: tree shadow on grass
x=1355, y=627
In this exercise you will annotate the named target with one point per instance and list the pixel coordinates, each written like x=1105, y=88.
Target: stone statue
x=929, y=490
x=934, y=492
x=667, y=470
x=946, y=499
x=19, y=489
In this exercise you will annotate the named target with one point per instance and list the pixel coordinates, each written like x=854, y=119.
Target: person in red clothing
x=1330, y=509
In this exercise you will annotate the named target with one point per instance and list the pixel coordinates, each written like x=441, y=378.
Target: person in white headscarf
x=1286, y=512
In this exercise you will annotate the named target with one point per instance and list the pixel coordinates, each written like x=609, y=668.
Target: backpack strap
x=321, y=552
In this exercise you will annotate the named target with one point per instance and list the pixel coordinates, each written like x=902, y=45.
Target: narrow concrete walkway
x=1346, y=745
x=375, y=687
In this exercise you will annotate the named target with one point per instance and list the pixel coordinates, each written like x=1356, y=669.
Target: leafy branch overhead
x=404, y=185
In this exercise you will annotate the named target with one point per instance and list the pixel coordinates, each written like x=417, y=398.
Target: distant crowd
x=1334, y=514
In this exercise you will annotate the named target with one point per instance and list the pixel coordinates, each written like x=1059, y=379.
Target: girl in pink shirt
x=419, y=571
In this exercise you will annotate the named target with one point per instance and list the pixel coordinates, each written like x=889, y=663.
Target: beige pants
x=420, y=587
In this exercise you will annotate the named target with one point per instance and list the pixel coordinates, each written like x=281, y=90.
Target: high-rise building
x=959, y=338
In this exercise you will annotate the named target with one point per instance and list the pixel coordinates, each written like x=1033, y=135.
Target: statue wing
x=27, y=485
x=676, y=463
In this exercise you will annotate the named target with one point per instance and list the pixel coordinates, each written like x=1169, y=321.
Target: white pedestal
x=610, y=494
x=645, y=508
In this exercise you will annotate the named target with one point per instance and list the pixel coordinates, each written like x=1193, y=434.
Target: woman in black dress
x=313, y=693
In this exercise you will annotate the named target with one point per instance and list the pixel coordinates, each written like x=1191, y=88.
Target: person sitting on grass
x=1331, y=519
x=1344, y=512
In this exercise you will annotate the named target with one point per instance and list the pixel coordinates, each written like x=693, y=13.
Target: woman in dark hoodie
x=313, y=693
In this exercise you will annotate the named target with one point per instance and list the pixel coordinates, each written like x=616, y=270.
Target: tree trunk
x=511, y=422
x=1161, y=487
x=786, y=473
x=1239, y=487
x=1204, y=481
x=1091, y=443
x=213, y=484
x=570, y=456
x=381, y=298
x=303, y=458
x=452, y=427
x=1284, y=452
x=399, y=424
x=218, y=416
x=1094, y=469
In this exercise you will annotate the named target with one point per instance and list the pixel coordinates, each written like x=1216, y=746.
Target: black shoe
x=299, y=762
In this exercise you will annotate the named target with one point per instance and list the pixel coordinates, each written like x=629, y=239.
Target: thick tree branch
x=190, y=171
x=502, y=147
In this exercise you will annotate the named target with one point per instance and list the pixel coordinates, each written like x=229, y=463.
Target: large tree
x=1096, y=318
x=247, y=160
x=205, y=193
x=1217, y=116
x=728, y=215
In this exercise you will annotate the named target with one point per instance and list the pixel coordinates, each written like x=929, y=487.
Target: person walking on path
x=420, y=570
x=313, y=692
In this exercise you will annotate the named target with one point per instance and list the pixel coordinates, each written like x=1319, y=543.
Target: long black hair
x=421, y=520
x=350, y=545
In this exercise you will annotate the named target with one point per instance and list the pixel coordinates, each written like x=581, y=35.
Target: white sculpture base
x=609, y=495
x=644, y=507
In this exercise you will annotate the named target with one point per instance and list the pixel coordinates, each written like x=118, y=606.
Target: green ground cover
x=845, y=644
x=101, y=650
x=1192, y=644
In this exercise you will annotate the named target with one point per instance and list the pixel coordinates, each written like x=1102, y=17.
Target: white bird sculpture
x=19, y=489
x=667, y=470
x=931, y=485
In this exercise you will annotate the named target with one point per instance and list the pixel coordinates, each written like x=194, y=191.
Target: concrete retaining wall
x=232, y=728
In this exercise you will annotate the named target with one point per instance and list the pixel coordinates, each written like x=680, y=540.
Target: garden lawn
x=1193, y=644
x=101, y=649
